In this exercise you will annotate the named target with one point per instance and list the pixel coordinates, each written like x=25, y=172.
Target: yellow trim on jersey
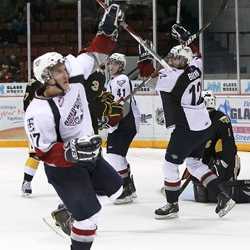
x=32, y=163
x=218, y=146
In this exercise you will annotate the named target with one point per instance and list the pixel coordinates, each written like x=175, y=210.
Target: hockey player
x=32, y=162
x=100, y=103
x=59, y=126
x=184, y=109
x=220, y=152
x=120, y=137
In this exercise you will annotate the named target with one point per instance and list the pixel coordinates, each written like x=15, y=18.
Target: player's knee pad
x=196, y=167
x=84, y=230
x=171, y=171
x=118, y=162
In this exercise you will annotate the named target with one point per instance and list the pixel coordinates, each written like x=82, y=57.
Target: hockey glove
x=112, y=114
x=83, y=149
x=145, y=62
x=110, y=21
x=179, y=33
x=106, y=97
x=218, y=166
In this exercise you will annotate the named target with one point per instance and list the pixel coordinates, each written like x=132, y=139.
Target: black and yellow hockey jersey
x=222, y=143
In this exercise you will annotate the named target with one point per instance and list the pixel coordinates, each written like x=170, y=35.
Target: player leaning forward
x=58, y=124
x=180, y=91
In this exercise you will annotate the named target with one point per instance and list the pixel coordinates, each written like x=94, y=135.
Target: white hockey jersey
x=181, y=96
x=75, y=119
x=120, y=87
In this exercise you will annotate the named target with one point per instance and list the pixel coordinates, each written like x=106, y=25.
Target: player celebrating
x=220, y=151
x=120, y=137
x=180, y=90
x=58, y=124
x=92, y=77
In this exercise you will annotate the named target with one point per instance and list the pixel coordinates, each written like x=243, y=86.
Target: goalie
x=220, y=152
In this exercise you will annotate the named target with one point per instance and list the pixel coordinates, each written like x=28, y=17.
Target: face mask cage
x=48, y=72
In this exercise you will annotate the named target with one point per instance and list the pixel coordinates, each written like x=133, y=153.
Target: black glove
x=179, y=33
x=83, y=149
x=218, y=166
x=143, y=53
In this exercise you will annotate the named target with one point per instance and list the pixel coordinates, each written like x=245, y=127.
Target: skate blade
x=126, y=200
x=230, y=204
x=56, y=229
x=166, y=217
x=26, y=195
x=134, y=195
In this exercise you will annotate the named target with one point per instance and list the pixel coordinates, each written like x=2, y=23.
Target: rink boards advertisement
x=152, y=132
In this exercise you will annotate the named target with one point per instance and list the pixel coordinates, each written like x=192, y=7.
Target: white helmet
x=209, y=99
x=184, y=51
x=119, y=58
x=42, y=64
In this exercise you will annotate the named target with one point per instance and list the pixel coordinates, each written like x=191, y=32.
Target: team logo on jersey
x=76, y=113
x=120, y=82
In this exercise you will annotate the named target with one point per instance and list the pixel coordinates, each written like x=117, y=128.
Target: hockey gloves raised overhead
x=179, y=33
x=145, y=62
x=83, y=149
x=110, y=21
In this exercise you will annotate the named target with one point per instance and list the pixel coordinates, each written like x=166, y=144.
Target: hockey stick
x=136, y=89
x=138, y=38
x=183, y=186
x=196, y=35
x=178, y=15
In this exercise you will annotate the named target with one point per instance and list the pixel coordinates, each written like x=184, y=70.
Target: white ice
x=123, y=227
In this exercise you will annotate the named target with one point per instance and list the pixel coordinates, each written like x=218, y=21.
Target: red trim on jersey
x=101, y=44
x=54, y=156
x=83, y=232
x=205, y=176
x=172, y=184
x=124, y=171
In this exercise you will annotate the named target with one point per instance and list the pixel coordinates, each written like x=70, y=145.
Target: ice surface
x=123, y=227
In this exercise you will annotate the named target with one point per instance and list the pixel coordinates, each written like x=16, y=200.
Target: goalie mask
x=43, y=65
x=180, y=56
x=118, y=59
x=209, y=99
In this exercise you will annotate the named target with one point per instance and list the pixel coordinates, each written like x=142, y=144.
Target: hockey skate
x=126, y=196
x=169, y=211
x=224, y=204
x=26, y=188
x=132, y=187
x=63, y=218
